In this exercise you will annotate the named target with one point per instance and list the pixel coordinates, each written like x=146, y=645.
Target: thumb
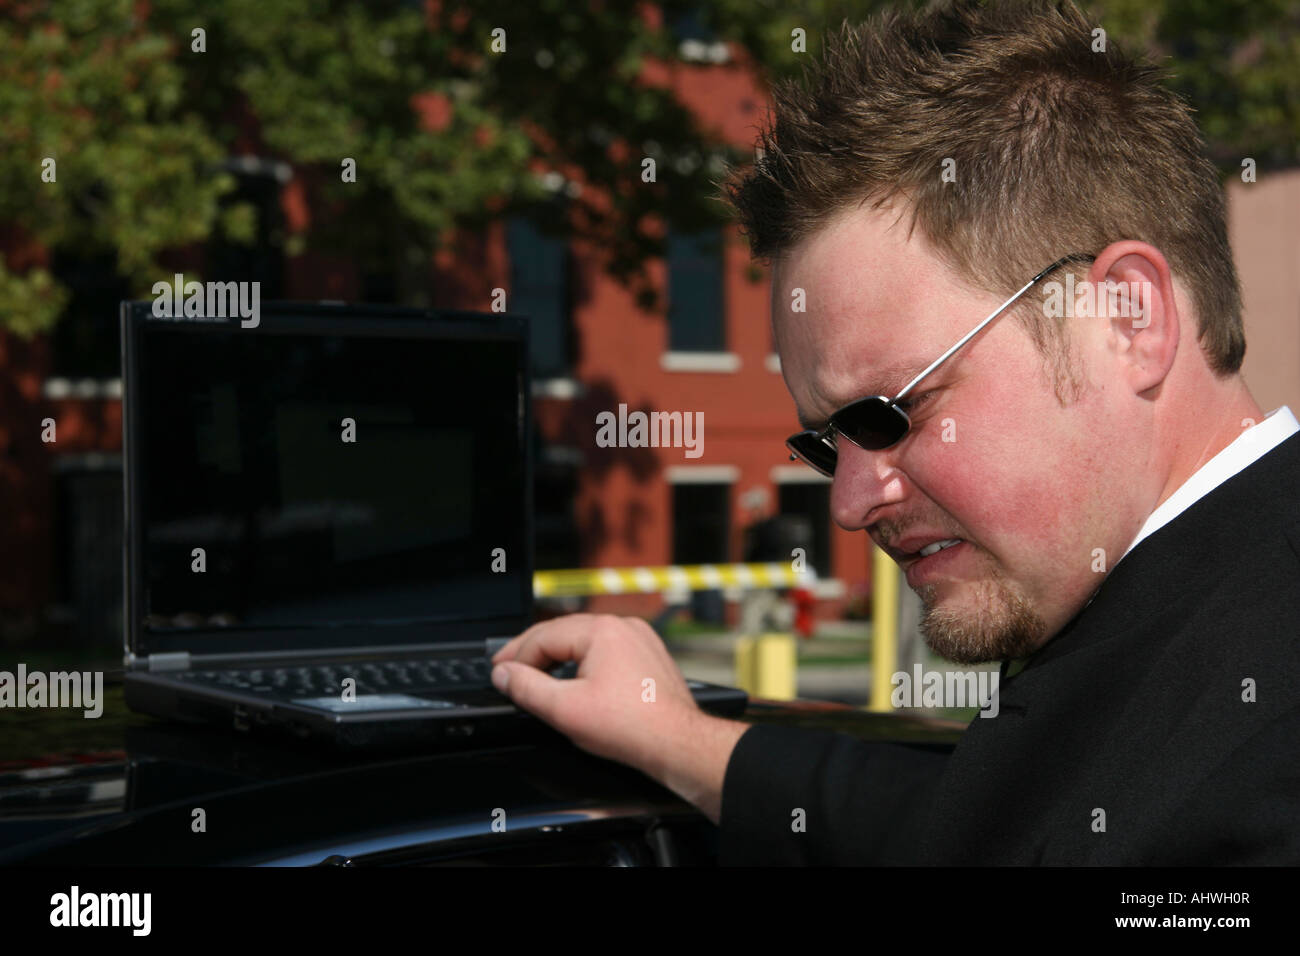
x=530, y=688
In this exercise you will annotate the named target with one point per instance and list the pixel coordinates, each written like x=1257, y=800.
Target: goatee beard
x=1002, y=625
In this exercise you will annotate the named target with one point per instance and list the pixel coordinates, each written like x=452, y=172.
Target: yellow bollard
x=884, y=629
x=766, y=666
x=745, y=665
x=775, y=662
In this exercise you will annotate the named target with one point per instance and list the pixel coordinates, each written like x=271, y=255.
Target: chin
x=1002, y=625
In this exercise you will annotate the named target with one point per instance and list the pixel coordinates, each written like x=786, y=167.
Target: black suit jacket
x=1135, y=708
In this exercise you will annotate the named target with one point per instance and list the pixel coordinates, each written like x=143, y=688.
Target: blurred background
x=207, y=138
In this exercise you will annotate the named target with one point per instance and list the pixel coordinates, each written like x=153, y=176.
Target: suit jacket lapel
x=1106, y=714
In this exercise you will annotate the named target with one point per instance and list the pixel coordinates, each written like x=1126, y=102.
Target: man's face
x=1030, y=487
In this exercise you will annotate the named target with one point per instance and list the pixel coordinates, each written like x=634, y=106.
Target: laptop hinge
x=172, y=661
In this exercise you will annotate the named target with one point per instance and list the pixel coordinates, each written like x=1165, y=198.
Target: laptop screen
x=302, y=476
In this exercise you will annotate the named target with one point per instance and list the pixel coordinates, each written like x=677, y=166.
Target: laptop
x=329, y=521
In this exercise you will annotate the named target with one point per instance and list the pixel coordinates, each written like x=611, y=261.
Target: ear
x=1133, y=293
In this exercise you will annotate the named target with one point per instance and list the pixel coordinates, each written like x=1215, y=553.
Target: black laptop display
x=368, y=474
x=337, y=494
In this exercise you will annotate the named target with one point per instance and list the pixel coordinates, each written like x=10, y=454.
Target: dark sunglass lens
x=871, y=424
x=814, y=452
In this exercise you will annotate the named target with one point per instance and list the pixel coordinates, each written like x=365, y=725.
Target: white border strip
x=699, y=361
x=796, y=475
x=702, y=474
x=57, y=388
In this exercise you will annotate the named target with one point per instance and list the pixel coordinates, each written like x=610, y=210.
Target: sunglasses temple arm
x=971, y=334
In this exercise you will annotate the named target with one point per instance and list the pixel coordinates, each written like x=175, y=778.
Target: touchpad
x=469, y=697
x=371, y=702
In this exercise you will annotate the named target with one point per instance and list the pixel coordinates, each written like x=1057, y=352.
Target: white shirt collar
x=1247, y=448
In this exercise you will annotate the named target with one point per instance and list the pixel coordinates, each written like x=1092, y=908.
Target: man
x=1126, y=518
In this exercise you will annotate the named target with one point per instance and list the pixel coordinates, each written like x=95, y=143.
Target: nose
x=864, y=481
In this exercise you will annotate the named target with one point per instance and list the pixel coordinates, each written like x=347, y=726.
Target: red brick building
x=594, y=349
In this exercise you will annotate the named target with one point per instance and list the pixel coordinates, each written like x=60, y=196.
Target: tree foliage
x=446, y=133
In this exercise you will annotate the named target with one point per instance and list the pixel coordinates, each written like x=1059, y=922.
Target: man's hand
x=628, y=702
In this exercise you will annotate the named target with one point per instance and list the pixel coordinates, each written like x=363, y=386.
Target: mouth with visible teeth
x=930, y=549
x=924, y=566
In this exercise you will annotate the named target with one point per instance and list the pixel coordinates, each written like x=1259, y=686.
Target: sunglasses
x=876, y=422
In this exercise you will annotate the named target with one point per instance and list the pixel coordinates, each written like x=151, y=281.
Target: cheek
x=991, y=482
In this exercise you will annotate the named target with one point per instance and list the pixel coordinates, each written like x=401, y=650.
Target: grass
x=833, y=660
x=679, y=628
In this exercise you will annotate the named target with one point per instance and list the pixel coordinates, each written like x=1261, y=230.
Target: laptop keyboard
x=372, y=677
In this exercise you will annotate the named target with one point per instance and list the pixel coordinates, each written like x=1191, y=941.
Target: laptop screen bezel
x=281, y=318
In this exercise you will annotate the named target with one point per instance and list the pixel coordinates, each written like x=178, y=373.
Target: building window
x=690, y=25
x=696, y=41
x=701, y=535
x=539, y=289
x=701, y=529
x=87, y=579
x=555, y=495
x=258, y=184
x=695, y=316
x=87, y=338
x=811, y=503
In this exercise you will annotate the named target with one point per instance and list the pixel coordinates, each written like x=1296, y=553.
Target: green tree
x=1236, y=61
x=445, y=132
x=84, y=86
x=139, y=123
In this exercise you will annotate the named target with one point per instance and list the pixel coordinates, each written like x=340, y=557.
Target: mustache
x=889, y=532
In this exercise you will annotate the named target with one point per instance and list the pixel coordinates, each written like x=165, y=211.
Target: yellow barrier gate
x=765, y=664
x=582, y=582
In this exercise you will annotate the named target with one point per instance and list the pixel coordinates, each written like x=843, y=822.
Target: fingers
x=529, y=688
x=508, y=650
x=516, y=672
x=561, y=639
x=624, y=668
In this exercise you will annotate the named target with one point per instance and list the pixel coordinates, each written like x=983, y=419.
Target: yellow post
x=884, y=628
x=766, y=666
x=775, y=667
x=745, y=665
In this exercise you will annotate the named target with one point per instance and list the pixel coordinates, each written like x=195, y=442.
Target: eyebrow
x=895, y=375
